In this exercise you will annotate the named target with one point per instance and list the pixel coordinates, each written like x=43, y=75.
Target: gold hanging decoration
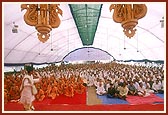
x=128, y=16
x=44, y=17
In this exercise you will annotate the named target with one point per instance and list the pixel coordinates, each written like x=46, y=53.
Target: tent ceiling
x=24, y=46
x=89, y=54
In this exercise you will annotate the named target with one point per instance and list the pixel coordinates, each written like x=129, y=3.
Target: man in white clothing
x=157, y=87
x=142, y=90
x=100, y=89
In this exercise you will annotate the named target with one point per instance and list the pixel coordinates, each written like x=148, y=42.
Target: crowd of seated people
x=121, y=80
x=113, y=79
x=54, y=82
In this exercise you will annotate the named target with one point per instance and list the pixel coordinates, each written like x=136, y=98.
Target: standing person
x=27, y=97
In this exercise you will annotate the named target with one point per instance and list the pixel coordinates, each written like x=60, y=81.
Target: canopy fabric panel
x=86, y=17
x=24, y=46
x=149, y=41
x=88, y=54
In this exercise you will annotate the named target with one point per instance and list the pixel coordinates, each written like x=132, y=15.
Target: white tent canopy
x=89, y=54
x=24, y=46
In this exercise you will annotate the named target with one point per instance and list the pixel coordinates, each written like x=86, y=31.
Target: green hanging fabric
x=86, y=17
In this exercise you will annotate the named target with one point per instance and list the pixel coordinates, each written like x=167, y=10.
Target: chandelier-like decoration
x=44, y=17
x=128, y=15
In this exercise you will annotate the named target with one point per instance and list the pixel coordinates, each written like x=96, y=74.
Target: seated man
x=157, y=87
x=142, y=90
x=123, y=91
x=148, y=88
x=111, y=92
x=100, y=89
x=132, y=89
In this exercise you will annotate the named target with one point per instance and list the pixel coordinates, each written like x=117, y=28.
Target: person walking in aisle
x=27, y=96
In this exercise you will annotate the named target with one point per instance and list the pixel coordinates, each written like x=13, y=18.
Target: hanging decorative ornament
x=44, y=17
x=128, y=15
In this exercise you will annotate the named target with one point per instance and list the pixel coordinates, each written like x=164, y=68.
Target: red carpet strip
x=151, y=99
x=62, y=107
x=76, y=99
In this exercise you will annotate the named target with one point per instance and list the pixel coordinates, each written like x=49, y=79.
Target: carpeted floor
x=92, y=98
x=100, y=107
x=133, y=100
x=160, y=95
x=106, y=100
x=151, y=99
x=75, y=100
x=88, y=101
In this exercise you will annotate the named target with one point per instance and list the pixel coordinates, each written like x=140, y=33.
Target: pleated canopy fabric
x=99, y=32
x=86, y=17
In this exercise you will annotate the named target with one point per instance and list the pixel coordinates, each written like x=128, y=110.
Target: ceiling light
x=15, y=28
x=162, y=22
